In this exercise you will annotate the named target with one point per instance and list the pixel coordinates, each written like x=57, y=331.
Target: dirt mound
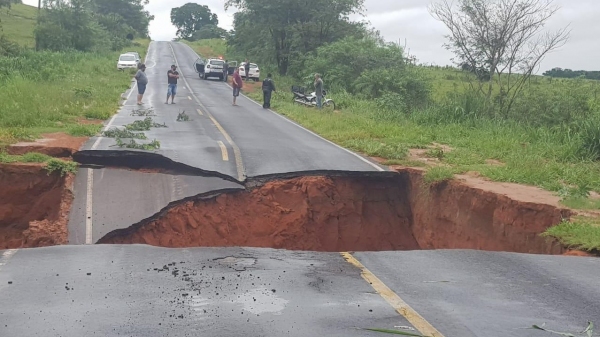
x=34, y=206
x=343, y=213
x=309, y=213
x=54, y=144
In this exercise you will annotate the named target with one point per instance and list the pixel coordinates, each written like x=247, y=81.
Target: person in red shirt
x=237, y=84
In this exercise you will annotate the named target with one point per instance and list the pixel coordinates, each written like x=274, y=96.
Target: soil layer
x=34, y=206
x=362, y=214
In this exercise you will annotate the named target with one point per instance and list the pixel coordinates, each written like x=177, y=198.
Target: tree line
x=91, y=25
x=568, y=73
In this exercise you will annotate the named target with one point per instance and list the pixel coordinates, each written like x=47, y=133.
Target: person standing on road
x=319, y=90
x=237, y=85
x=268, y=86
x=247, y=69
x=172, y=76
x=142, y=82
x=225, y=71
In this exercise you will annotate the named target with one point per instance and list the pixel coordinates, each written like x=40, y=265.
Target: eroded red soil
x=52, y=144
x=338, y=214
x=309, y=213
x=34, y=206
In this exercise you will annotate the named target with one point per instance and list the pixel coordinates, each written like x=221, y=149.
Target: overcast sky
x=409, y=20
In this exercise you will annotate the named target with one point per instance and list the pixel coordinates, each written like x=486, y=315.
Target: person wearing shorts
x=237, y=85
x=142, y=82
x=172, y=76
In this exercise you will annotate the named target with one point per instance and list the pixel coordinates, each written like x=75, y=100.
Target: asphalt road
x=218, y=148
x=111, y=290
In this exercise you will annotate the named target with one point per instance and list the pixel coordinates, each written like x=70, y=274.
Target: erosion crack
x=138, y=160
x=349, y=212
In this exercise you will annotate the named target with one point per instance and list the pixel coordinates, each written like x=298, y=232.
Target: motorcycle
x=300, y=97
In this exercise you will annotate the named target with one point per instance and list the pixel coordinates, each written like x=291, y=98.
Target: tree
x=131, y=12
x=90, y=25
x=192, y=17
x=295, y=27
x=505, y=37
x=8, y=3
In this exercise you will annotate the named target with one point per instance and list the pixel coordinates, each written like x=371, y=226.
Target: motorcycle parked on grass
x=310, y=100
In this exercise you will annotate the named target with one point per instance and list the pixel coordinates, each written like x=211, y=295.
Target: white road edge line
x=89, y=206
x=90, y=172
x=223, y=151
x=303, y=128
x=239, y=164
x=6, y=256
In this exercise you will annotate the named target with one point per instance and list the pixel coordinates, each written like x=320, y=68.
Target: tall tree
x=506, y=37
x=296, y=27
x=192, y=17
x=132, y=12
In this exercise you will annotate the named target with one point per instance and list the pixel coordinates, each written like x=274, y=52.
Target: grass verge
x=53, y=92
x=579, y=233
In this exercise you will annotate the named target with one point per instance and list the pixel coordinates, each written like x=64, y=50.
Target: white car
x=127, y=61
x=254, y=71
x=213, y=68
x=137, y=56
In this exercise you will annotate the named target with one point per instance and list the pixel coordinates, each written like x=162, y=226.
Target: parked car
x=213, y=68
x=254, y=71
x=137, y=56
x=127, y=61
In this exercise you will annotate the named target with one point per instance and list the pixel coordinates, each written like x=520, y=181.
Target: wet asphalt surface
x=110, y=290
x=133, y=290
x=218, y=148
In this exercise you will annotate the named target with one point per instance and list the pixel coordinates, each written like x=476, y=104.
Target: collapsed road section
x=346, y=213
x=342, y=212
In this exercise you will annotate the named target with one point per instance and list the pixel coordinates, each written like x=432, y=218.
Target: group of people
x=142, y=82
x=268, y=85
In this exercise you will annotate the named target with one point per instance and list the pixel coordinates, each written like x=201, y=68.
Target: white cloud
x=409, y=20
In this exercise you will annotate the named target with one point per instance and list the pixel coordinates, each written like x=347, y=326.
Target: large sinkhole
x=351, y=214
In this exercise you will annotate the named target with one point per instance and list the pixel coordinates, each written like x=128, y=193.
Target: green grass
x=581, y=203
x=31, y=157
x=209, y=48
x=51, y=92
x=18, y=24
x=580, y=233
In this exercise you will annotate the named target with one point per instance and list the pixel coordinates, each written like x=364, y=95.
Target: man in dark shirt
x=225, y=71
x=268, y=87
x=172, y=76
x=247, y=70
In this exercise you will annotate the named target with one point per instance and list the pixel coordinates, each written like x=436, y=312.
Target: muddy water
x=347, y=214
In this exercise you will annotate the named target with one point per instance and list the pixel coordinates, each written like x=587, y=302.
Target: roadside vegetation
x=70, y=83
x=514, y=127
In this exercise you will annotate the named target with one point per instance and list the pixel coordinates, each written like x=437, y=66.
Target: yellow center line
x=199, y=112
x=223, y=151
x=393, y=299
x=236, y=150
